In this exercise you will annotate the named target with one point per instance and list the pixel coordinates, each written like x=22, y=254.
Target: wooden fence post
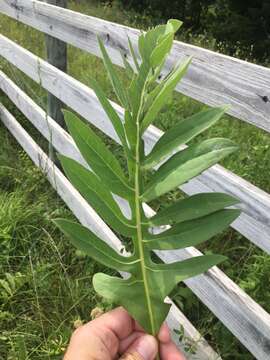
x=57, y=56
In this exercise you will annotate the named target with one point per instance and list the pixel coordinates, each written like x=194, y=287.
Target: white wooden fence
x=213, y=79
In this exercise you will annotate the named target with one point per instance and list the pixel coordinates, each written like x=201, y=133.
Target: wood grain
x=213, y=78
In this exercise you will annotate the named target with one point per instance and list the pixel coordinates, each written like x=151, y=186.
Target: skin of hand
x=116, y=335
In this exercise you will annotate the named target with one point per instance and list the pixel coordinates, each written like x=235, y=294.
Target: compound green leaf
x=187, y=164
x=96, y=154
x=97, y=195
x=193, y=207
x=192, y=232
x=182, y=133
x=194, y=220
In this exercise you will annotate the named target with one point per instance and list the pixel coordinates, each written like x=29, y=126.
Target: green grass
x=45, y=285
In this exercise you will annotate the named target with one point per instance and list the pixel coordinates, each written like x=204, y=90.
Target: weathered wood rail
x=213, y=79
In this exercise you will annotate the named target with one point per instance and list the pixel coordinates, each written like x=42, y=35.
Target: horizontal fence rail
x=83, y=211
x=213, y=78
x=246, y=319
x=255, y=202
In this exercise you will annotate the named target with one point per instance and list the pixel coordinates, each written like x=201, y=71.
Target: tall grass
x=45, y=284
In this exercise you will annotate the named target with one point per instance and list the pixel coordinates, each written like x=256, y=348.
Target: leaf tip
x=225, y=107
x=217, y=259
x=175, y=23
x=97, y=280
x=236, y=212
x=58, y=222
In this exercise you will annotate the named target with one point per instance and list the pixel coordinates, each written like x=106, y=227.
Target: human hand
x=116, y=335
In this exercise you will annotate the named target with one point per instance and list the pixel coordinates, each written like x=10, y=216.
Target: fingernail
x=146, y=346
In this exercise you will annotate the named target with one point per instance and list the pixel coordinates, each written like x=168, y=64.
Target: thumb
x=144, y=348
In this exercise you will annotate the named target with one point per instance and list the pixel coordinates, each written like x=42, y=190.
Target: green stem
x=141, y=250
x=138, y=216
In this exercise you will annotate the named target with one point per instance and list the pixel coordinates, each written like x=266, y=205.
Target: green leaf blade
x=193, y=207
x=173, y=25
x=181, y=134
x=96, y=154
x=110, y=111
x=137, y=88
x=116, y=83
x=133, y=55
x=161, y=51
x=130, y=128
x=193, y=232
x=164, y=94
x=83, y=239
x=187, y=164
x=123, y=292
x=128, y=67
x=148, y=41
x=93, y=190
x=174, y=273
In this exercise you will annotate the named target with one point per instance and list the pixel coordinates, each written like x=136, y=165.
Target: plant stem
x=139, y=229
x=141, y=252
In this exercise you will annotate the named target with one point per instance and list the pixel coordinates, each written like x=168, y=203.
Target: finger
x=144, y=348
x=99, y=338
x=117, y=320
x=164, y=334
x=125, y=344
x=169, y=351
x=92, y=343
x=138, y=327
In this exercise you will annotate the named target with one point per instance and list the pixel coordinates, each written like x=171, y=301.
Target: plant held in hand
x=192, y=220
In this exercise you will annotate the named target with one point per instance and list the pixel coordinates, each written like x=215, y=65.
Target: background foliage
x=245, y=22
